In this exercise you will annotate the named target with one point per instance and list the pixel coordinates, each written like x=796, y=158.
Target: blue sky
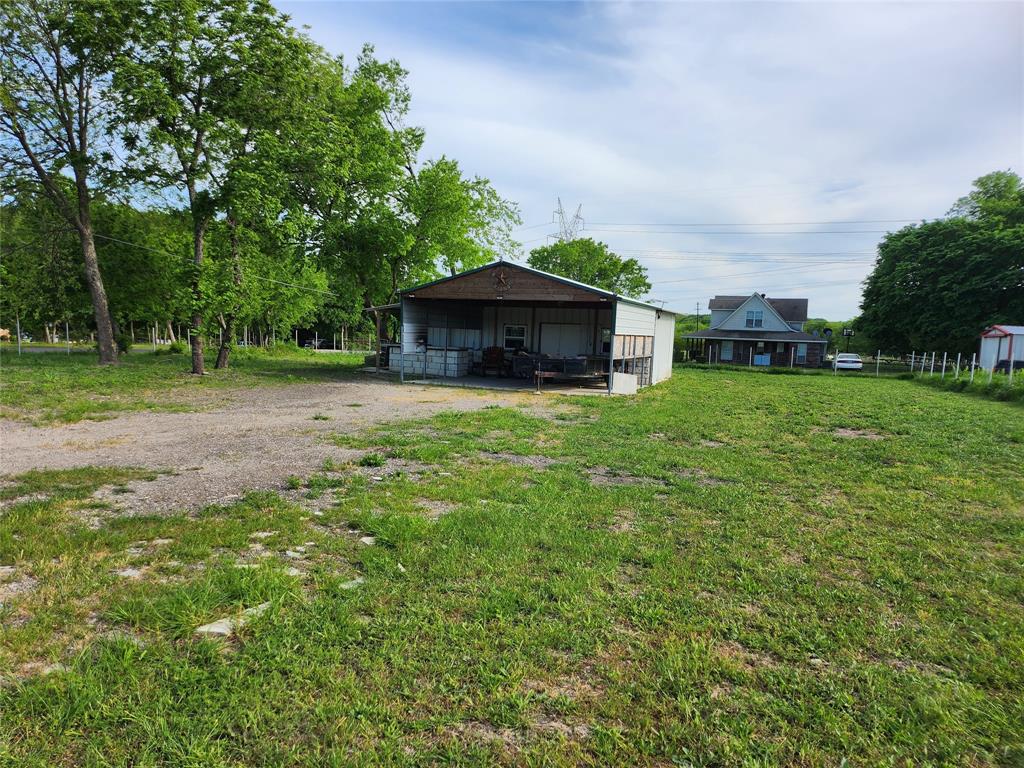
x=745, y=120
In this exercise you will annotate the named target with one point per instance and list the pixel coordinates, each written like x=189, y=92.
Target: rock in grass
x=367, y=540
x=226, y=627
x=129, y=573
x=353, y=584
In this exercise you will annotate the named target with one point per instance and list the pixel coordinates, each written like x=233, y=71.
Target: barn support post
x=611, y=347
x=376, y=358
x=792, y=355
x=445, y=344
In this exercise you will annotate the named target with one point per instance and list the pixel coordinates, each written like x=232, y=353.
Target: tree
x=997, y=198
x=593, y=263
x=54, y=63
x=936, y=285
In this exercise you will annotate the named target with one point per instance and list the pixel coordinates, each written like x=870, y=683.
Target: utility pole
x=698, y=315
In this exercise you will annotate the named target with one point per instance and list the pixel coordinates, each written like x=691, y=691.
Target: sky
x=729, y=147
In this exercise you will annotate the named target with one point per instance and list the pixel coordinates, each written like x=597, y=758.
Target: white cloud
x=704, y=112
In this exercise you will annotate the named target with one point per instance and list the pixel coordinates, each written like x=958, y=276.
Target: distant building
x=756, y=330
x=1000, y=344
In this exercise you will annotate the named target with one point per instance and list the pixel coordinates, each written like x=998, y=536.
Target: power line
x=824, y=267
x=744, y=233
x=755, y=224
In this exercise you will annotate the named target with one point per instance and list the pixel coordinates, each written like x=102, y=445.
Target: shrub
x=372, y=460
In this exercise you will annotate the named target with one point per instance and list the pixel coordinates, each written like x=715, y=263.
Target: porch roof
x=747, y=335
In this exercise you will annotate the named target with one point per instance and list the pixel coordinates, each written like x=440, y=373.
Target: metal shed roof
x=564, y=280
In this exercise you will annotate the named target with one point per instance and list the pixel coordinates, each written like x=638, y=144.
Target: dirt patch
x=623, y=521
x=436, y=509
x=481, y=732
x=605, y=476
x=864, y=434
x=251, y=439
x=572, y=731
x=712, y=443
x=570, y=687
x=700, y=477
x=742, y=656
x=13, y=584
x=533, y=462
x=393, y=467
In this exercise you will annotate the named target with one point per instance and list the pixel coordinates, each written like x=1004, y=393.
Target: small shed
x=511, y=320
x=1000, y=344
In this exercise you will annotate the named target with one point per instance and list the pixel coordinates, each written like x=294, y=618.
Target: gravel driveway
x=254, y=441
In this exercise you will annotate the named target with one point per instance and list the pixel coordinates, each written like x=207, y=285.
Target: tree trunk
x=236, y=266
x=198, y=238
x=170, y=332
x=100, y=308
x=225, y=347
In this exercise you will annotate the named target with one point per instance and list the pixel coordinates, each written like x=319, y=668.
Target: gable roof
x=599, y=292
x=790, y=310
x=1003, y=330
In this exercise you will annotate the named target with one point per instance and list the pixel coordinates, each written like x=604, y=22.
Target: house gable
x=771, y=320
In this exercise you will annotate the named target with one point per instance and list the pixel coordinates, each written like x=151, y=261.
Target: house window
x=760, y=348
x=727, y=350
x=801, y=353
x=780, y=347
x=515, y=336
x=755, y=318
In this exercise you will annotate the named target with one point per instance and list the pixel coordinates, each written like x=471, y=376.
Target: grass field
x=52, y=387
x=730, y=569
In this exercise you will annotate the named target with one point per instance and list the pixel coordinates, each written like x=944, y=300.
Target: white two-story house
x=756, y=330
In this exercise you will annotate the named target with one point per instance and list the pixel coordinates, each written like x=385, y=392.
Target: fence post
x=316, y=339
x=296, y=337
x=17, y=329
x=943, y=376
x=334, y=344
x=911, y=362
x=957, y=376
x=931, y=370
x=878, y=358
x=973, y=356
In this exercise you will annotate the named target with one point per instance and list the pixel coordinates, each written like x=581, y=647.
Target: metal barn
x=511, y=321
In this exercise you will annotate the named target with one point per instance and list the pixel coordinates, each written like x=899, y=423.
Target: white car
x=847, y=361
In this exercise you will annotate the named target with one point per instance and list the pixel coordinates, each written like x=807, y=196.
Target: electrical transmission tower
x=568, y=228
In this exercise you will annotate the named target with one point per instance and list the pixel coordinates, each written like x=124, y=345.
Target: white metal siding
x=414, y=324
x=631, y=320
x=664, y=341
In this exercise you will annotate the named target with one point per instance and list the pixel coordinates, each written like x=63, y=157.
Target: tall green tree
x=54, y=68
x=593, y=263
x=936, y=285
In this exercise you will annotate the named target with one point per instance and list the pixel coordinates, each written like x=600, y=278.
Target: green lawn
x=732, y=568
x=48, y=387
